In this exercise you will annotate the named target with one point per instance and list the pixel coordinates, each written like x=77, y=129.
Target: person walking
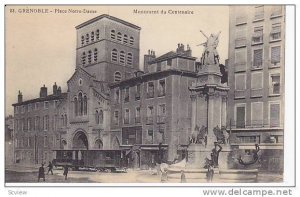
x=66, y=170
x=50, y=168
x=182, y=177
x=41, y=173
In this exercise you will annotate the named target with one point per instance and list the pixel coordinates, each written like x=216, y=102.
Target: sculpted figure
x=210, y=54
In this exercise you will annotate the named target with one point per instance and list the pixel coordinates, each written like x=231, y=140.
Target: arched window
x=101, y=117
x=66, y=120
x=80, y=100
x=97, y=117
x=119, y=37
x=97, y=34
x=83, y=56
x=76, y=106
x=90, y=56
x=95, y=55
x=117, y=76
x=99, y=144
x=85, y=105
x=129, y=59
x=113, y=34
x=92, y=36
x=125, y=39
x=87, y=38
x=122, y=57
x=131, y=40
x=82, y=40
x=114, y=55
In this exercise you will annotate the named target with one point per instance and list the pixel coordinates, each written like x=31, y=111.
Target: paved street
x=29, y=175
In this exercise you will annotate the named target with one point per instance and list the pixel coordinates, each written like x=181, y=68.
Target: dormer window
x=97, y=34
x=131, y=40
x=92, y=36
x=125, y=39
x=87, y=38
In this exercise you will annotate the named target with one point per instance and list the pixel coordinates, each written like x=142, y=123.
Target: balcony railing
x=257, y=39
x=256, y=92
x=256, y=124
x=149, y=120
x=239, y=94
x=161, y=119
x=275, y=36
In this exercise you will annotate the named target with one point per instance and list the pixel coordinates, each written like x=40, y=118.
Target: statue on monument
x=219, y=135
x=201, y=137
x=210, y=54
x=254, y=157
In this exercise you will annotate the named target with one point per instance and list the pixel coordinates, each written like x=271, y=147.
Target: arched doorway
x=80, y=141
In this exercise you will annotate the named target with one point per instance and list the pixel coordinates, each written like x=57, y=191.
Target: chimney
x=55, y=89
x=147, y=58
x=188, y=51
x=43, y=92
x=59, y=91
x=20, y=97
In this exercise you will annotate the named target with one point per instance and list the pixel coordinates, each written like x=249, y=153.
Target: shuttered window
x=257, y=58
x=240, y=56
x=240, y=82
x=275, y=55
x=274, y=114
x=257, y=114
x=256, y=80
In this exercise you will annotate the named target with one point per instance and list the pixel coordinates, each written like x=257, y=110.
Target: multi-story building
x=9, y=132
x=152, y=110
x=256, y=76
x=36, y=122
x=110, y=103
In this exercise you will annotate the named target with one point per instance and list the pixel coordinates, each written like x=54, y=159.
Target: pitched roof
x=109, y=17
x=170, y=55
x=40, y=99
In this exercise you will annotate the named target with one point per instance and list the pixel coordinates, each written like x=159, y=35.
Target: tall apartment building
x=256, y=76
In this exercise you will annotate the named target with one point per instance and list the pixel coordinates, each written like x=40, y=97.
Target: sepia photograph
x=160, y=94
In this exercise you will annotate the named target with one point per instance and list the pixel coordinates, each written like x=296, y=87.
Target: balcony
x=161, y=119
x=240, y=42
x=240, y=67
x=238, y=94
x=275, y=36
x=256, y=65
x=149, y=120
x=257, y=39
x=254, y=93
x=137, y=119
x=241, y=20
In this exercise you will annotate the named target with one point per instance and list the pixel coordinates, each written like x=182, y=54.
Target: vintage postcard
x=146, y=94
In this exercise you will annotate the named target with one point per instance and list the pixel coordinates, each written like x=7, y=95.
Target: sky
x=40, y=47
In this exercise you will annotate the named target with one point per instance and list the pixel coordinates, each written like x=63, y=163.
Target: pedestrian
x=66, y=170
x=210, y=168
x=182, y=177
x=50, y=168
x=41, y=173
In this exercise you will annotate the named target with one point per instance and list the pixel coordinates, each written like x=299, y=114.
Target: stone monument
x=209, y=101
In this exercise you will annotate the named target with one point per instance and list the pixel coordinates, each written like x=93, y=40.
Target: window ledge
x=273, y=66
x=275, y=16
x=276, y=40
x=254, y=69
x=258, y=20
x=274, y=95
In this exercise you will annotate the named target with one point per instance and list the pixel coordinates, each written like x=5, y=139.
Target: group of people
x=41, y=174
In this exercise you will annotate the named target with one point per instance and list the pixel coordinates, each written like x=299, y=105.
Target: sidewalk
x=23, y=168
